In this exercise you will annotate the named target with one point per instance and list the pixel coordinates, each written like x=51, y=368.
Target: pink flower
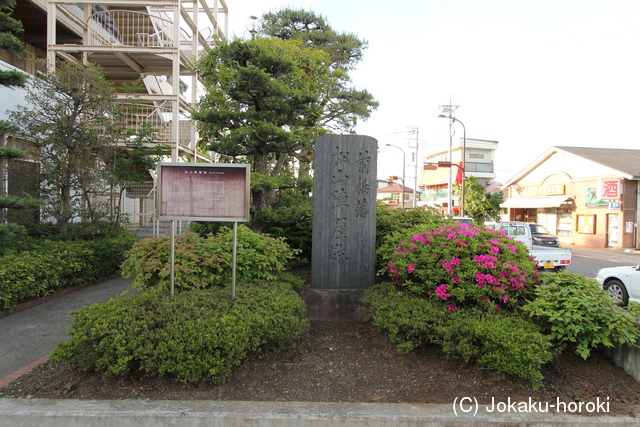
x=485, y=299
x=441, y=291
x=455, y=261
x=480, y=279
x=410, y=268
x=498, y=307
x=488, y=261
x=452, y=308
x=456, y=279
x=447, y=266
x=512, y=249
x=491, y=279
x=505, y=298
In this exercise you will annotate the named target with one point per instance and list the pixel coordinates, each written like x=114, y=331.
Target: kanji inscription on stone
x=344, y=212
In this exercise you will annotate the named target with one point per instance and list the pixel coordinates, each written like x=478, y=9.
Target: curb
x=134, y=413
x=17, y=374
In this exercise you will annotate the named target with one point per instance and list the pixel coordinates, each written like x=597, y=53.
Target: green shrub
x=50, y=265
x=14, y=239
x=204, y=228
x=205, y=262
x=391, y=229
x=464, y=266
x=108, y=253
x=503, y=341
x=194, y=335
x=575, y=312
x=297, y=236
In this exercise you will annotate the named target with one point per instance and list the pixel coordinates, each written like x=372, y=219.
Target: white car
x=622, y=283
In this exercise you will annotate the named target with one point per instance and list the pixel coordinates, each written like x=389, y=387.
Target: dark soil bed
x=350, y=362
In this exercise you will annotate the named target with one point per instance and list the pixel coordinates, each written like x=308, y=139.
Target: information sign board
x=203, y=192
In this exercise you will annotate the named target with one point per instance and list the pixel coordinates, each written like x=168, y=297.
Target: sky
x=530, y=74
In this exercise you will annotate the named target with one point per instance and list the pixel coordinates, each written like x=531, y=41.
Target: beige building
x=478, y=162
x=587, y=196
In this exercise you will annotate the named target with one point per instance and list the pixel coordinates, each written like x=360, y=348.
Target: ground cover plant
x=355, y=362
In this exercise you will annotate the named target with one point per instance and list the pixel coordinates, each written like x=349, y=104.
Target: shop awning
x=439, y=176
x=536, y=202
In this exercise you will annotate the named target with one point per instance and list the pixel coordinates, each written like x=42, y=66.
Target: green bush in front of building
x=197, y=334
x=43, y=266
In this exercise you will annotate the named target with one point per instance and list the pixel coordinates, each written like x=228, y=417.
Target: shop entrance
x=612, y=231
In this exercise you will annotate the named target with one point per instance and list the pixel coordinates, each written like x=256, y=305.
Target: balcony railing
x=431, y=197
x=471, y=167
x=158, y=117
x=133, y=29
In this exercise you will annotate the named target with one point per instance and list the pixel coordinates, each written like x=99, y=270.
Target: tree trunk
x=65, y=215
x=263, y=197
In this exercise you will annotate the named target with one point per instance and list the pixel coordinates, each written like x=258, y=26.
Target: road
x=588, y=266
x=588, y=262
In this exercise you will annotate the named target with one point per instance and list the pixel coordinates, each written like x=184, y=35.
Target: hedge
x=58, y=264
x=195, y=335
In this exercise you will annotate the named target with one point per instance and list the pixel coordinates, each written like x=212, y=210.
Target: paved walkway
x=27, y=337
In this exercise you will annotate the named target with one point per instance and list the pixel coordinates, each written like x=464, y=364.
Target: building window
x=564, y=224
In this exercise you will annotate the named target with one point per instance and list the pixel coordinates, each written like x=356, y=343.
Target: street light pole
x=464, y=153
x=403, y=168
x=416, y=131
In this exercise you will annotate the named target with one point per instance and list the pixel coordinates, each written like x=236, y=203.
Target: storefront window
x=564, y=224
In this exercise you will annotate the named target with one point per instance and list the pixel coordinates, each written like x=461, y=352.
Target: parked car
x=463, y=220
x=548, y=257
x=622, y=283
x=541, y=237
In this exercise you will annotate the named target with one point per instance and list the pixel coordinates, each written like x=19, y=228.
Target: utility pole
x=415, y=130
x=448, y=110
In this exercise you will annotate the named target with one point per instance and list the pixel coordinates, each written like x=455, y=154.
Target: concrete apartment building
x=158, y=39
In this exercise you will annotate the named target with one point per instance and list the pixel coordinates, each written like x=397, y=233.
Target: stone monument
x=344, y=212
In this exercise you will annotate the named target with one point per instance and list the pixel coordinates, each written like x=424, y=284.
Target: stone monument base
x=333, y=304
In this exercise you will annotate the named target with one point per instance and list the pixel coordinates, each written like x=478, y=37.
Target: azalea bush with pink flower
x=465, y=266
